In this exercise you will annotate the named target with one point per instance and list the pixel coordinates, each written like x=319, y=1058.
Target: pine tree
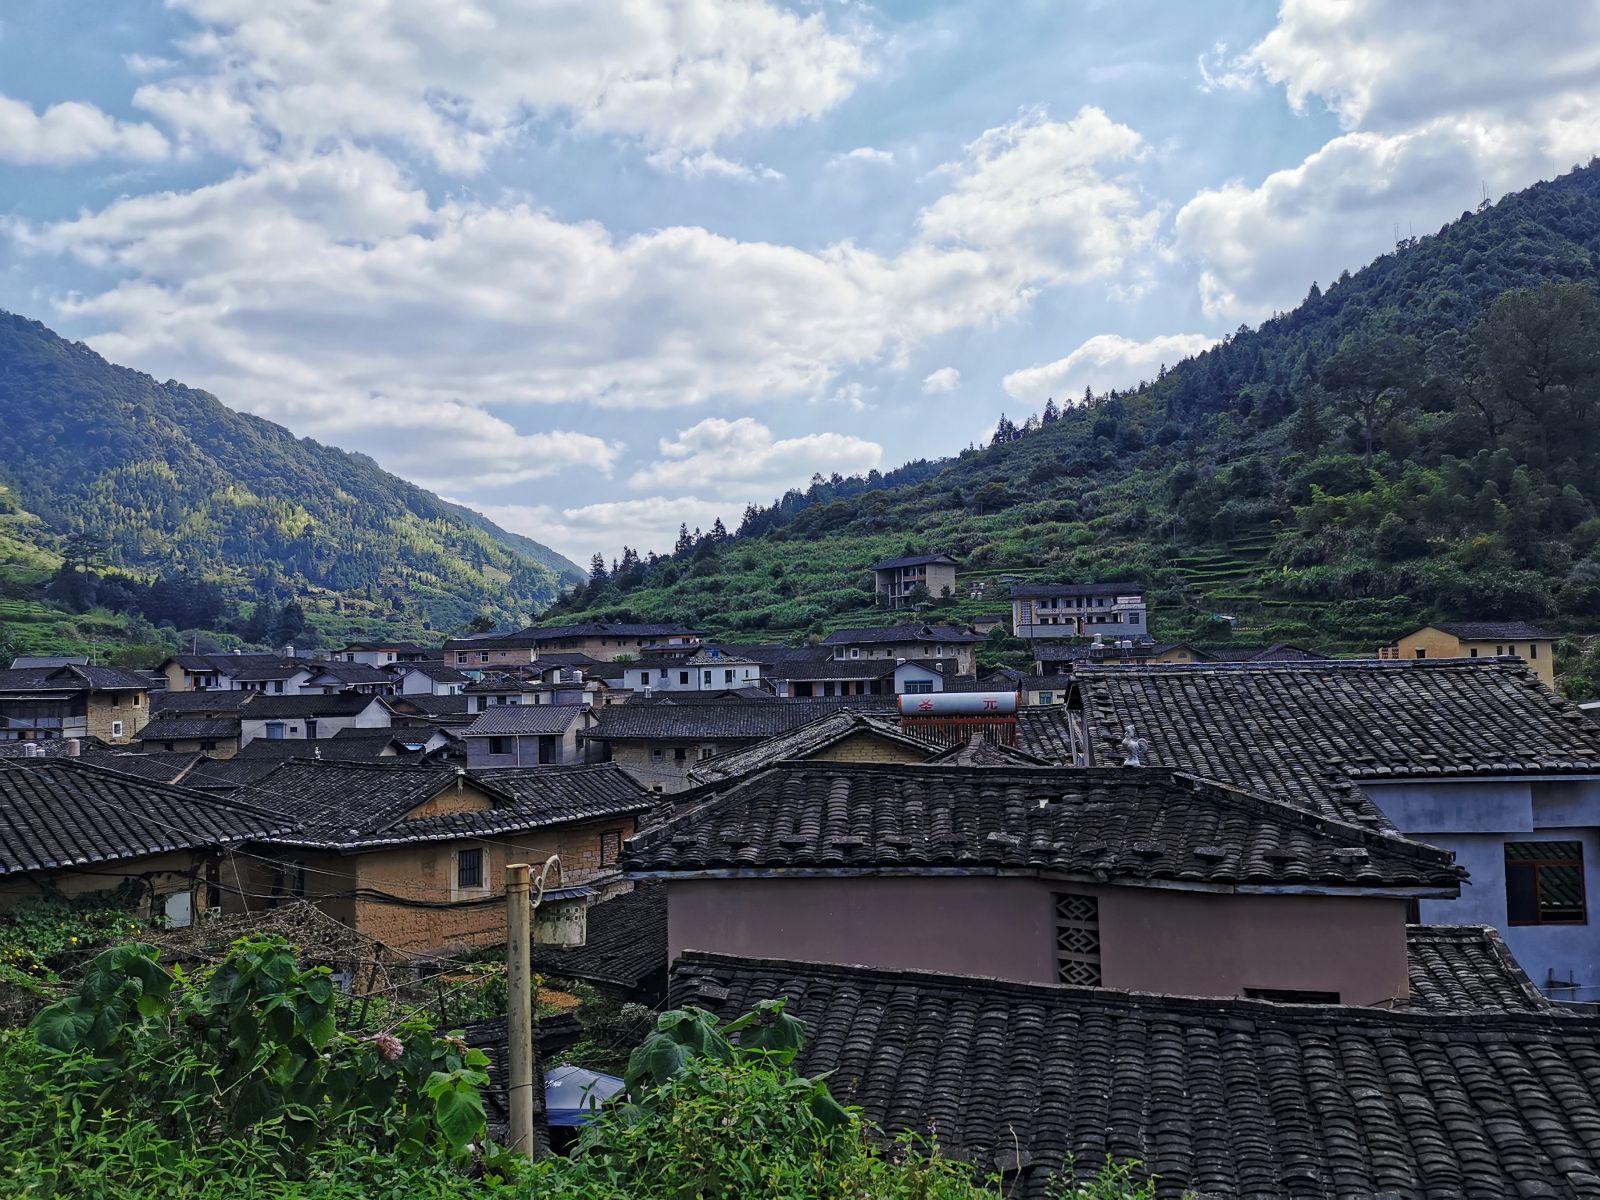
x=597, y=568
x=685, y=543
x=719, y=531
x=1051, y=413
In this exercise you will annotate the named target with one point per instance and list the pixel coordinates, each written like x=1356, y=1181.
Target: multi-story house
x=1474, y=755
x=1069, y=610
x=527, y=735
x=908, y=642
x=895, y=579
x=708, y=669
x=41, y=703
x=1146, y=881
x=383, y=654
x=1481, y=639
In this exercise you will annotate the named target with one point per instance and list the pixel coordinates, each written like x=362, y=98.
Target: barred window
x=469, y=868
x=1078, y=939
x=610, y=847
x=1544, y=883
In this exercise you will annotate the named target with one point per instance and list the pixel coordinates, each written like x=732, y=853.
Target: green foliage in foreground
x=235, y=1083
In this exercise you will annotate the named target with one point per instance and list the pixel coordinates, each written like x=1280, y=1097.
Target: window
x=706, y=676
x=547, y=749
x=919, y=687
x=497, y=745
x=657, y=754
x=727, y=677
x=1291, y=996
x=1544, y=883
x=1533, y=652
x=855, y=652
x=461, y=658
x=1472, y=653
x=1133, y=618
x=1499, y=650
x=683, y=677
x=116, y=699
x=1078, y=939
x=483, y=656
x=274, y=731
x=1047, y=697
x=469, y=868
x=610, y=847
x=208, y=744
x=1421, y=653
x=679, y=754
x=116, y=729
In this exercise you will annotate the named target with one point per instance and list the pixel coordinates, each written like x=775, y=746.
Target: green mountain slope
x=167, y=481
x=1238, y=483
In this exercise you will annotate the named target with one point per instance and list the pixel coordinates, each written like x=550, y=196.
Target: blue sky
x=599, y=267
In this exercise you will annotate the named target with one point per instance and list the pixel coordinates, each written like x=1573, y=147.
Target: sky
x=599, y=267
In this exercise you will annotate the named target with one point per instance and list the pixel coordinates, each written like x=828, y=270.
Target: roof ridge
x=1158, y=1003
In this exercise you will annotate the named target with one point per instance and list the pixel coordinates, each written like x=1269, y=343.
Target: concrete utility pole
x=519, y=1016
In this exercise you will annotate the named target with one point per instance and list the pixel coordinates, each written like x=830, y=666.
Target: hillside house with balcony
x=895, y=579
x=1056, y=611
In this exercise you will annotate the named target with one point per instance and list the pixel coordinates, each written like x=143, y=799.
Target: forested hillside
x=155, y=501
x=1417, y=439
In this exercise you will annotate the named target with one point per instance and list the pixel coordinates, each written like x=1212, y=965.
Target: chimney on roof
x=73, y=748
x=30, y=749
x=461, y=778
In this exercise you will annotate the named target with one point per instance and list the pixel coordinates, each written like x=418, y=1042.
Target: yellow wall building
x=1481, y=639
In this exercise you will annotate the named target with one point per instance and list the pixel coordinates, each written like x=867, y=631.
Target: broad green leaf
x=63, y=1026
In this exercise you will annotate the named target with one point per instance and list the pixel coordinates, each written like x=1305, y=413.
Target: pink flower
x=388, y=1045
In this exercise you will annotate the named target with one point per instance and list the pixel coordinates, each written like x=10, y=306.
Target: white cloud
x=1440, y=98
x=742, y=458
x=322, y=282
x=945, y=379
x=865, y=156
x=646, y=524
x=1034, y=195
x=70, y=133
x=1221, y=71
x=1393, y=63
x=1105, y=361
x=456, y=78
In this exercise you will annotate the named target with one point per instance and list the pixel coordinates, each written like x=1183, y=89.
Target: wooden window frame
x=1538, y=865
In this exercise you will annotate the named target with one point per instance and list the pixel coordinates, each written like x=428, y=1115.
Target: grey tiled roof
x=915, y=560
x=855, y=668
x=1135, y=826
x=1281, y=652
x=1489, y=631
x=976, y=751
x=518, y=719
x=948, y=634
x=1457, y=968
x=1109, y=651
x=1051, y=732
x=1024, y=591
x=1307, y=732
x=188, y=703
x=173, y=729
x=556, y=794
x=61, y=813
x=1237, y=1098
x=158, y=767
x=273, y=708
x=626, y=942
x=357, y=806
x=730, y=720
x=807, y=740
x=71, y=679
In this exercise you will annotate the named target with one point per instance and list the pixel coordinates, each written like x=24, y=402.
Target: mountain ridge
x=1235, y=485
x=167, y=480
